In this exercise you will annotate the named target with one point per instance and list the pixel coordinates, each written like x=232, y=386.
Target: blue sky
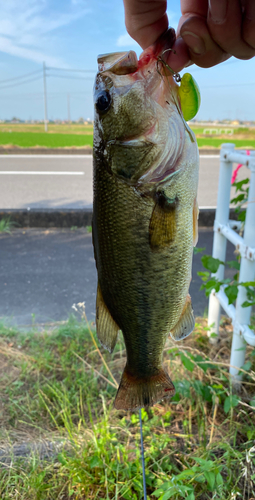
x=70, y=34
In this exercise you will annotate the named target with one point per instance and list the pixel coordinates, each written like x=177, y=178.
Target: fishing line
x=142, y=454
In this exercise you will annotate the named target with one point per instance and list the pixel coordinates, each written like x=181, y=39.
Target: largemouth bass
x=144, y=217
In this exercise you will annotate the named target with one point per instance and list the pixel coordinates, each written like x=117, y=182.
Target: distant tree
x=15, y=120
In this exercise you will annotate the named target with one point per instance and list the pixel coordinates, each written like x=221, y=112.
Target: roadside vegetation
x=54, y=140
x=81, y=135
x=7, y=225
x=57, y=394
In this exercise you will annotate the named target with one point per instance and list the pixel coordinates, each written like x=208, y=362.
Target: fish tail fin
x=141, y=392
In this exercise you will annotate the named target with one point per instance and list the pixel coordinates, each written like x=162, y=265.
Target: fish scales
x=143, y=232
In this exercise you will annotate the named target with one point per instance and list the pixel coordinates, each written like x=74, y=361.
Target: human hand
x=209, y=31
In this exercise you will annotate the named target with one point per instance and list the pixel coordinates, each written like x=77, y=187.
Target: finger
x=191, y=8
x=178, y=57
x=194, y=7
x=146, y=20
x=203, y=50
x=248, y=28
x=225, y=25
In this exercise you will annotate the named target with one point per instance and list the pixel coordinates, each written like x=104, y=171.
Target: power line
x=196, y=68
x=40, y=95
x=72, y=77
x=45, y=99
x=21, y=77
x=227, y=85
x=74, y=70
x=20, y=83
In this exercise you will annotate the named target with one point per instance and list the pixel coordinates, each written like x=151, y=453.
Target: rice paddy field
x=62, y=439
x=81, y=136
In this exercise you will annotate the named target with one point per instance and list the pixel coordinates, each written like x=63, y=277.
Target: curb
x=46, y=151
x=44, y=450
x=68, y=218
x=75, y=151
x=47, y=218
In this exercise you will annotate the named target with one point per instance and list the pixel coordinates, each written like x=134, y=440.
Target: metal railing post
x=219, y=241
x=247, y=273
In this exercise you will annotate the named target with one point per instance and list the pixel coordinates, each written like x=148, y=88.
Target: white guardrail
x=240, y=316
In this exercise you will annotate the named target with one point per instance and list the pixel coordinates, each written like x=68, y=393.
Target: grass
x=6, y=225
x=55, y=388
x=79, y=135
x=243, y=137
x=53, y=128
x=216, y=143
x=54, y=140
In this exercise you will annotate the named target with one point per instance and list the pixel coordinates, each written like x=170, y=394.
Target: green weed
x=55, y=140
x=217, y=142
x=231, y=286
x=6, y=225
x=55, y=388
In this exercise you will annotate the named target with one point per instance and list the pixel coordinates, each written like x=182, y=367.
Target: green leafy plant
x=55, y=388
x=6, y=225
x=211, y=264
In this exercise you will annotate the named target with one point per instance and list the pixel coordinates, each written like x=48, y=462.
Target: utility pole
x=45, y=99
x=68, y=108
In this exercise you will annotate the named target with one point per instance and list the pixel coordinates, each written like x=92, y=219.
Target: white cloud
x=126, y=40
x=26, y=28
x=8, y=47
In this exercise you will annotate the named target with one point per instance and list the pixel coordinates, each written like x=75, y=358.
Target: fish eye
x=103, y=102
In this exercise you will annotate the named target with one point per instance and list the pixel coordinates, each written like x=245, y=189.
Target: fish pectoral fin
x=162, y=228
x=141, y=392
x=107, y=328
x=195, y=222
x=186, y=322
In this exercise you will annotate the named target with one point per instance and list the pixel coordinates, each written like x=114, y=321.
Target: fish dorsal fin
x=107, y=328
x=162, y=229
x=186, y=322
x=195, y=222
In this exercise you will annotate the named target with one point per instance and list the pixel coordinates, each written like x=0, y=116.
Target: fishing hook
x=175, y=75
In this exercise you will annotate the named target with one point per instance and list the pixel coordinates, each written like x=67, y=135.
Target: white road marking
x=56, y=156
x=209, y=156
x=34, y=172
x=207, y=208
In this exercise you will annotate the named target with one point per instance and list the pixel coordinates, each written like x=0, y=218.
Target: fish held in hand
x=144, y=217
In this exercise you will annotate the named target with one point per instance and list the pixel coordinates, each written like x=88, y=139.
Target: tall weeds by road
x=56, y=407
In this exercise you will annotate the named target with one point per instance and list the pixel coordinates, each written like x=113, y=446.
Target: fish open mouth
x=119, y=63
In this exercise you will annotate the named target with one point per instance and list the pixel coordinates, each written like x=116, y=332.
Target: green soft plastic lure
x=189, y=96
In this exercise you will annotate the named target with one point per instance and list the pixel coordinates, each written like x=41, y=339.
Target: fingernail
x=188, y=64
x=218, y=10
x=194, y=42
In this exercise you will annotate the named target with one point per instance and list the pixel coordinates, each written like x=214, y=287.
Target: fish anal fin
x=195, y=222
x=142, y=392
x=107, y=328
x=186, y=322
x=162, y=229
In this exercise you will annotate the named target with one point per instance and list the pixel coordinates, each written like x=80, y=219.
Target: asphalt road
x=59, y=181
x=36, y=181
x=44, y=272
